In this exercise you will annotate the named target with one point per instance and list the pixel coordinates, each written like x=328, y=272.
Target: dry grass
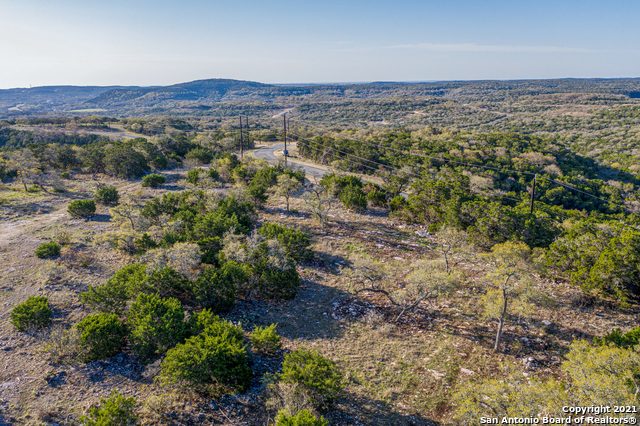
x=402, y=373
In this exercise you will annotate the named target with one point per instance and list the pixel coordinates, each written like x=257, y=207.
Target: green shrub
x=213, y=174
x=167, y=282
x=33, y=313
x=272, y=277
x=337, y=183
x=257, y=194
x=65, y=175
x=295, y=242
x=113, y=295
x=207, y=321
x=313, y=373
x=101, y=336
x=210, y=248
x=203, y=155
x=265, y=339
x=153, y=180
x=266, y=177
x=81, y=208
x=193, y=176
x=272, y=282
x=377, y=198
x=144, y=243
x=397, y=203
x=117, y=410
x=156, y=325
x=623, y=340
x=34, y=188
x=303, y=418
x=50, y=249
x=353, y=198
x=213, y=362
x=216, y=289
x=107, y=195
x=125, y=162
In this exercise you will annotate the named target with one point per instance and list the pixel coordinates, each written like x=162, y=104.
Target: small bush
x=266, y=177
x=313, y=373
x=34, y=188
x=203, y=155
x=107, y=195
x=272, y=276
x=167, y=282
x=45, y=250
x=113, y=295
x=377, y=198
x=193, y=176
x=101, y=336
x=81, y=208
x=213, y=174
x=303, y=418
x=265, y=339
x=353, y=198
x=295, y=242
x=207, y=322
x=156, y=325
x=617, y=338
x=65, y=175
x=144, y=243
x=63, y=345
x=272, y=282
x=216, y=289
x=397, y=203
x=117, y=410
x=153, y=180
x=257, y=194
x=213, y=362
x=33, y=313
x=63, y=238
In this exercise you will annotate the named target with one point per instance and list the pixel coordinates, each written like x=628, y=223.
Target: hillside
x=471, y=250
x=187, y=98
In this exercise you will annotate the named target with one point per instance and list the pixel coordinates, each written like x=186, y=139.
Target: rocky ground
x=400, y=373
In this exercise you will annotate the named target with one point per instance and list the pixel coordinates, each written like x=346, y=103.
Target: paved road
x=268, y=154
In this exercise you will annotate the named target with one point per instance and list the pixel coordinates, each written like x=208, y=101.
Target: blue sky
x=136, y=42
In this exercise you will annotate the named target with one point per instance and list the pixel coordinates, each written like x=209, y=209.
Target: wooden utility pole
x=285, y=152
x=246, y=118
x=241, y=144
x=533, y=193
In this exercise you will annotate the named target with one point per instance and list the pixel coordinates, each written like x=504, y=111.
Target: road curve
x=267, y=153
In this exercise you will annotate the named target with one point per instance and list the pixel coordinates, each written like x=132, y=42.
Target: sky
x=162, y=42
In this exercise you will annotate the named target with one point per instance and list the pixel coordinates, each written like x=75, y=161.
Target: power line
x=414, y=174
x=351, y=155
x=563, y=184
x=444, y=160
x=573, y=188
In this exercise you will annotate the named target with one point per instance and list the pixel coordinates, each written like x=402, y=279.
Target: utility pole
x=533, y=193
x=241, y=144
x=247, y=127
x=285, y=152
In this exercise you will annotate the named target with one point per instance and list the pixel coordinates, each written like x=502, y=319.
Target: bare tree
x=319, y=202
x=286, y=186
x=508, y=281
x=427, y=281
x=25, y=163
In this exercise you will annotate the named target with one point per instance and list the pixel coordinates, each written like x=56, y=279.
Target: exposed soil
x=400, y=373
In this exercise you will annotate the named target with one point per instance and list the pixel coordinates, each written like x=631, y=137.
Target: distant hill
x=206, y=94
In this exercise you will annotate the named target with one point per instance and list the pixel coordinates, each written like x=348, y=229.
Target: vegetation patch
x=33, y=313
